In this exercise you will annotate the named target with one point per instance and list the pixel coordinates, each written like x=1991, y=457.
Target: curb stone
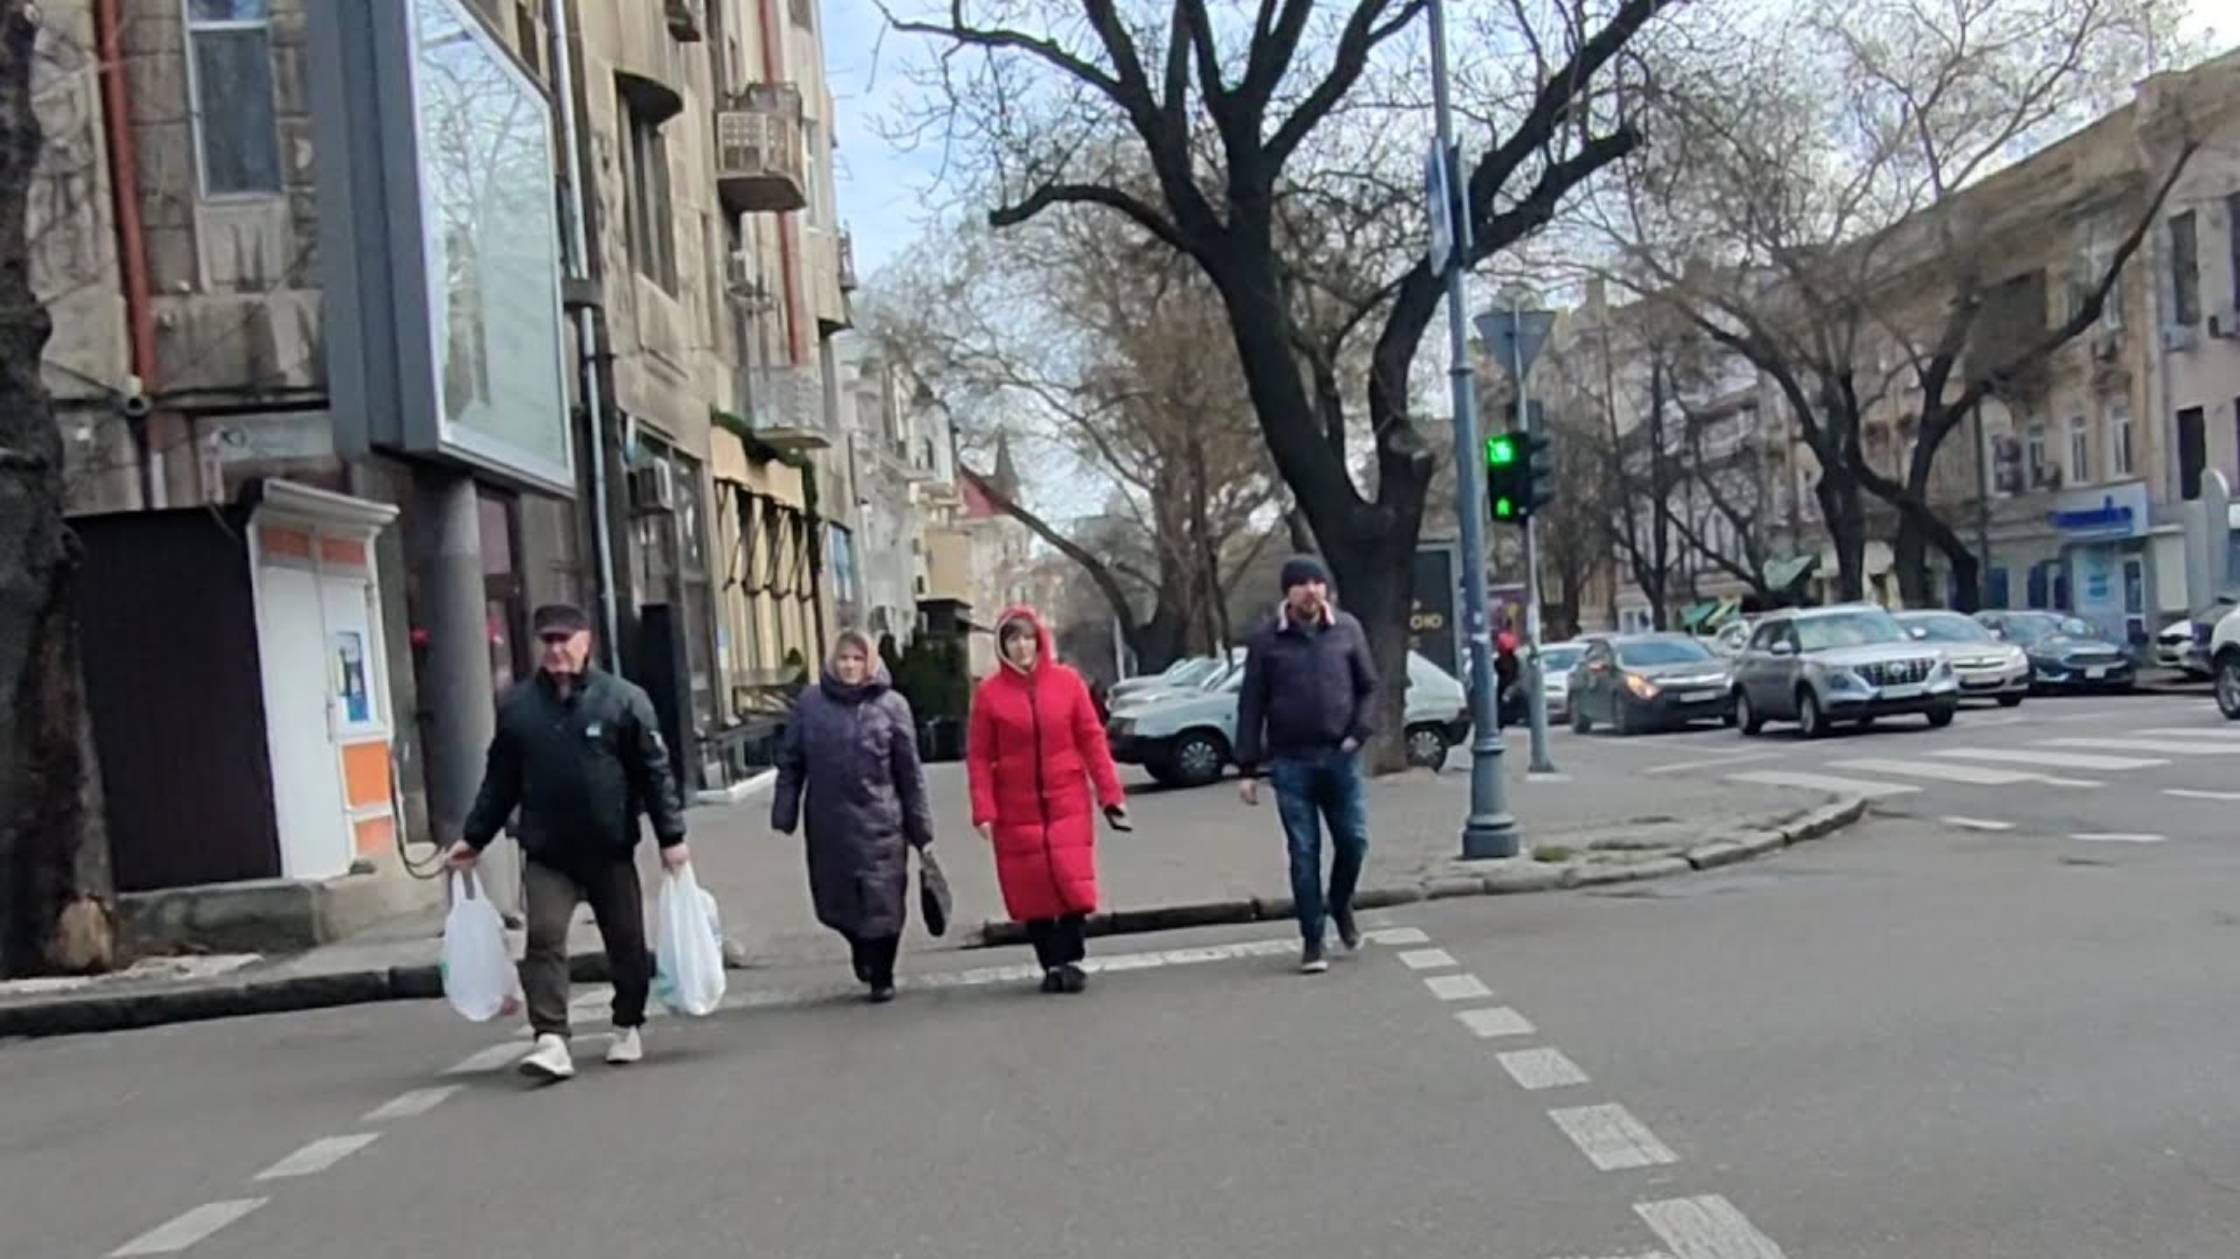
x=82, y=1013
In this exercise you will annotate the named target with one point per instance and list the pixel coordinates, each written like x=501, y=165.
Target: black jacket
x=1307, y=689
x=580, y=769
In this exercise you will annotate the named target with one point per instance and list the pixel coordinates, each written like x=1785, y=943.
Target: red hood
x=1046, y=653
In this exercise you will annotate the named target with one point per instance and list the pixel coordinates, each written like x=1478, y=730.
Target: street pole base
x=1490, y=838
x=1543, y=765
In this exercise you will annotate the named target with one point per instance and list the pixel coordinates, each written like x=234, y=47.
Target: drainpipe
x=772, y=72
x=132, y=247
x=587, y=345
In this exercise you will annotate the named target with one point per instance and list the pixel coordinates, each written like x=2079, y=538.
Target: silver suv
x=1853, y=663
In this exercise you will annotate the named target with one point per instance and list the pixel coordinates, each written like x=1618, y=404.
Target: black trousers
x=1058, y=941
x=874, y=957
x=616, y=902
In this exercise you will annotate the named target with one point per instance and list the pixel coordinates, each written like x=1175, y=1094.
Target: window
x=2185, y=271
x=2080, y=451
x=2193, y=452
x=652, y=224
x=236, y=110
x=2119, y=440
x=2035, y=460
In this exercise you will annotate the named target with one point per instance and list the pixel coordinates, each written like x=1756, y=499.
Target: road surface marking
x=413, y=1104
x=2164, y=747
x=1718, y=762
x=187, y=1229
x=1427, y=959
x=1708, y=1227
x=2188, y=793
x=491, y=1059
x=1823, y=782
x=1993, y=723
x=1538, y=1069
x=1457, y=987
x=1611, y=1138
x=1976, y=824
x=1400, y=935
x=2052, y=760
x=2097, y=714
x=1973, y=775
x=2117, y=837
x=318, y=1156
x=2188, y=732
x=1495, y=1021
x=592, y=998
x=1546, y=776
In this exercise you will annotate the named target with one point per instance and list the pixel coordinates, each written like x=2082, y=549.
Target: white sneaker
x=549, y=1061
x=626, y=1047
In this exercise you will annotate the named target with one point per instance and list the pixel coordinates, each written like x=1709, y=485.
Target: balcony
x=761, y=164
x=787, y=409
x=847, y=248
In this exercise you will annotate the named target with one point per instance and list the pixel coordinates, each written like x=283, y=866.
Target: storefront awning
x=1695, y=618
x=1782, y=574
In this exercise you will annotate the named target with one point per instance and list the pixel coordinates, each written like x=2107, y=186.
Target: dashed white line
x=1427, y=959
x=1611, y=1138
x=1547, y=776
x=1717, y=762
x=2117, y=837
x=1495, y=1021
x=1973, y=775
x=1538, y=1069
x=1708, y=1227
x=187, y=1229
x=413, y=1104
x=2188, y=793
x=491, y=1059
x=1976, y=823
x=2160, y=747
x=2052, y=760
x=1457, y=987
x=318, y=1156
x=2189, y=732
x=1824, y=782
x=1400, y=935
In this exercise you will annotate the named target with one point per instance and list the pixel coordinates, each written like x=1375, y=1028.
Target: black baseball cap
x=559, y=618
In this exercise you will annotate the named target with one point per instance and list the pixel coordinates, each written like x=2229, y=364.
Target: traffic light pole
x=1536, y=687
x=1489, y=831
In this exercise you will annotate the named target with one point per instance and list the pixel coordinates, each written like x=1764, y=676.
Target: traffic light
x=1540, y=471
x=1507, y=488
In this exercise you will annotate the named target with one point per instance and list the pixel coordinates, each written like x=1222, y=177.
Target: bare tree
x=55, y=894
x=1250, y=126
x=1841, y=240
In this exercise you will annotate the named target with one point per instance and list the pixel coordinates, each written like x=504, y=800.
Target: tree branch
x=1048, y=195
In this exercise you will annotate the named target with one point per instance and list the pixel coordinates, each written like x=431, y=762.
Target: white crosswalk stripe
x=2160, y=747
x=1824, y=782
x=2231, y=732
x=1973, y=775
x=2187, y=793
x=2051, y=760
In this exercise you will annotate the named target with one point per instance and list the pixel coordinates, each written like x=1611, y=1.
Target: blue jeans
x=1307, y=793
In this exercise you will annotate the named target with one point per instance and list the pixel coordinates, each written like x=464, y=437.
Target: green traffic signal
x=1503, y=509
x=1501, y=450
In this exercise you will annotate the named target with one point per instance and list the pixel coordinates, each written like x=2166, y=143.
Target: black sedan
x=1649, y=682
x=2066, y=654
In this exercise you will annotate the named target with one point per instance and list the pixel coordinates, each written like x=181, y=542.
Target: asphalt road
x=1908, y=1040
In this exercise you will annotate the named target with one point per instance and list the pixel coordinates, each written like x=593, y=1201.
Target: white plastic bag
x=687, y=947
x=479, y=978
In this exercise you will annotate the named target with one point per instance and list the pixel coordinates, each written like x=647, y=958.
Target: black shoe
x=1053, y=980
x=1349, y=931
x=1311, y=960
x=1072, y=978
x=881, y=993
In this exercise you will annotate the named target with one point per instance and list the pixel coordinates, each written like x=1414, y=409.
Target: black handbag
x=933, y=893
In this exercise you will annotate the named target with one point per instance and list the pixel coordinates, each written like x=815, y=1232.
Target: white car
x=2173, y=647
x=1557, y=660
x=1987, y=667
x=1188, y=739
x=2224, y=663
x=1207, y=673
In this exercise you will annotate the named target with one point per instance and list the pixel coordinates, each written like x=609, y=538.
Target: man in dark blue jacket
x=1308, y=705
x=579, y=752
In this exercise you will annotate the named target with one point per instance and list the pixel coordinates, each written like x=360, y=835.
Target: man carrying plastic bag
x=687, y=946
x=579, y=752
x=478, y=975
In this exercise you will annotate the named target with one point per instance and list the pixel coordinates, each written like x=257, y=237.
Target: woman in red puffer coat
x=1034, y=751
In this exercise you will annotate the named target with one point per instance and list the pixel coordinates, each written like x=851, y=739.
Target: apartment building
x=540, y=296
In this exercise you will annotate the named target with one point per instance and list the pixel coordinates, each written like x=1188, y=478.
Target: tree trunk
x=1376, y=583
x=1910, y=560
x=1918, y=530
x=56, y=909
x=1846, y=516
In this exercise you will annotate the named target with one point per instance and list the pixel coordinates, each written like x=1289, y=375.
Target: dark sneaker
x=881, y=993
x=1349, y=931
x=1311, y=960
x=1053, y=980
x=1072, y=978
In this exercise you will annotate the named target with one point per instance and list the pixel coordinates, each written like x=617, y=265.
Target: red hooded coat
x=1034, y=750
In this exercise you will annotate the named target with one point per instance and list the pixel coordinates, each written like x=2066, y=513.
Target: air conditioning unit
x=687, y=19
x=653, y=489
x=2225, y=324
x=2179, y=337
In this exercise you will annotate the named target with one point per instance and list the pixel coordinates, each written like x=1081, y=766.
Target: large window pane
x=240, y=135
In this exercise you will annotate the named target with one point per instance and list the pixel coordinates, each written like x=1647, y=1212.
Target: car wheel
x=1746, y=717
x=1622, y=720
x=2010, y=701
x=1580, y=722
x=1198, y=759
x=1427, y=747
x=1942, y=715
x=2228, y=684
x=1810, y=721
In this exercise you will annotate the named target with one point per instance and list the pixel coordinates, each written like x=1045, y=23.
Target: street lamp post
x=1490, y=830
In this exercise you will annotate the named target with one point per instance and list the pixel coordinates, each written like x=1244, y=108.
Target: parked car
x=1641, y=682
x=1733, y=637
x=2175, y=647
x=1195, y=681
x=1180, y=674
x=1188, y=739
x=1849, y=663
x=1557, y=660
x=1988, y=668
x=2224, y=659
x=2066, y=653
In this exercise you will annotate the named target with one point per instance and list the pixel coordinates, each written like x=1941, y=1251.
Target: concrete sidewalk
x=1196, y=857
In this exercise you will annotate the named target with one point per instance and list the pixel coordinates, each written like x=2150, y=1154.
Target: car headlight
x=1642, y=687
x=1846, y=680
x=1943, y=671
x=2017, y=656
